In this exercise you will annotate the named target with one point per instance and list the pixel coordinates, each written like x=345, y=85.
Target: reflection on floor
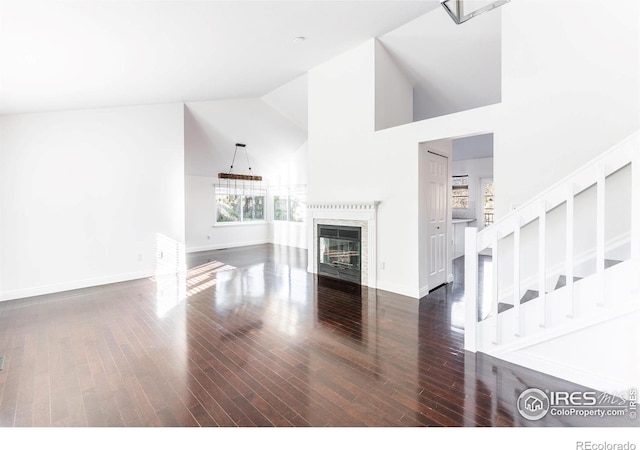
x=248, y=338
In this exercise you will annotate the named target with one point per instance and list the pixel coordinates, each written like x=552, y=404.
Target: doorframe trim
x=448, y=250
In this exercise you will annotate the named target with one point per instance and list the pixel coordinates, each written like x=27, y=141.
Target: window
x=253, y=207
x=487, y=201
x=460, y=192
x=240, y=204
x=288, y=205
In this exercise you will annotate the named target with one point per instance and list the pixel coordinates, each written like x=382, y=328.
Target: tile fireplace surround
x=352, y=214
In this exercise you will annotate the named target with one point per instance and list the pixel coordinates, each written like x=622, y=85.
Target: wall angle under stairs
x=576, y=315
x=577, y=342
x=560, y=282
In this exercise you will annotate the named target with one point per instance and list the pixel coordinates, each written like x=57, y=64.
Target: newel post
x=470, y=288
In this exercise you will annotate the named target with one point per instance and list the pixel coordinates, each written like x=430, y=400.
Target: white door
x=437, y=202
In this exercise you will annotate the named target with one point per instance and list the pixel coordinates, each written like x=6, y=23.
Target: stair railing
x=565, y=191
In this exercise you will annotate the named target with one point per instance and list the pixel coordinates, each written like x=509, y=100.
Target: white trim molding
x=75, y=284
x=360, y=214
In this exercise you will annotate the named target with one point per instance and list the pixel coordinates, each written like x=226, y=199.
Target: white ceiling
x=57, y=55
x=213, y=128
x=290, y=100
x=473, y=147
x=453, y=67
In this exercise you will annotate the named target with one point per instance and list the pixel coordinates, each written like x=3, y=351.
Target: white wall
x=213, y=128
x=617, y=237
x=602, y=357
x=454, y=67
x=348, y=163
x=394, y=91
x=202, y=232
x=568, y=93
x=291, y=234
x=291, y=173
x=88, y=196
x=290, y=100
x=277, y=151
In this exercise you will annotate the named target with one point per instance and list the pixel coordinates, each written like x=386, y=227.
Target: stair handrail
x=531, y=205
x=593, y=172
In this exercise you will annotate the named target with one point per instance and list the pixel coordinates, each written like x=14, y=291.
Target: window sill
x=239, y=224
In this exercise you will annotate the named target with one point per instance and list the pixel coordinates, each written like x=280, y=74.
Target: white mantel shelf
x=361, y=214
x=343, y=205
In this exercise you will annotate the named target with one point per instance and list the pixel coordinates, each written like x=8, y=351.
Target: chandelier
x=458, y=14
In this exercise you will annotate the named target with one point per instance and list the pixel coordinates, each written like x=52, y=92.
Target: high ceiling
x=453, y=67
x=57, y=55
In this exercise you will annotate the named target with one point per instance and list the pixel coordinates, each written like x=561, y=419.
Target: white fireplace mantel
x=359, y=214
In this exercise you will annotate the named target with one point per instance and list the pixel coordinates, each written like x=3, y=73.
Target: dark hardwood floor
x=249, y=338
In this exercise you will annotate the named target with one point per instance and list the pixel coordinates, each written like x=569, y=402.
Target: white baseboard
x=398, y=289
x=423, y=291
x=71, y=285
x=226, y=245
x=288, y=244
x=450, y=278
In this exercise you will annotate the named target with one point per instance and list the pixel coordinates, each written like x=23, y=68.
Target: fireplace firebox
x=339, y=252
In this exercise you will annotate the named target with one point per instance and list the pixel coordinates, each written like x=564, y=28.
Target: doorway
x=469, y=158
x=437, y=214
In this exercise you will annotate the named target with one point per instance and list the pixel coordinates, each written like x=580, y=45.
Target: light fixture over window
x=474, y=8
x=235, y=176
x=240, y=197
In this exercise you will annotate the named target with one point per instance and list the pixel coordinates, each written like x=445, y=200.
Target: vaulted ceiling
x=57, y=55
x=453, y=67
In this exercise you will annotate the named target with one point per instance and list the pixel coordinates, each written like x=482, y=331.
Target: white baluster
x=471, y=288
x=494, y=293
x=569, y=268
x=600, y=216
x=516, y=279
x=542, y=262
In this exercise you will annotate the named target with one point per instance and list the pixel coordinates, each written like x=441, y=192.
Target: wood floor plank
x=261, y=343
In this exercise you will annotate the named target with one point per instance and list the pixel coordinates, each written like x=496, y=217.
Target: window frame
x=243, y=192
x=460, y=183
x=289, y=195
x=483, y=202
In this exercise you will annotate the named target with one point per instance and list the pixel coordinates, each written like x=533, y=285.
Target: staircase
x=521, y=304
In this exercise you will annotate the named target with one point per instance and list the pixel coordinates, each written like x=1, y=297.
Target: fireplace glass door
x=339, y=252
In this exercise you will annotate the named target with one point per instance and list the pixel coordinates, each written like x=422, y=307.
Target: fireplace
x=360, y=216
x=339, y=252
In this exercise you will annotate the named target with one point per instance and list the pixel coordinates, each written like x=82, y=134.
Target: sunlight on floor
x=201, y=277
x=173, y=288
